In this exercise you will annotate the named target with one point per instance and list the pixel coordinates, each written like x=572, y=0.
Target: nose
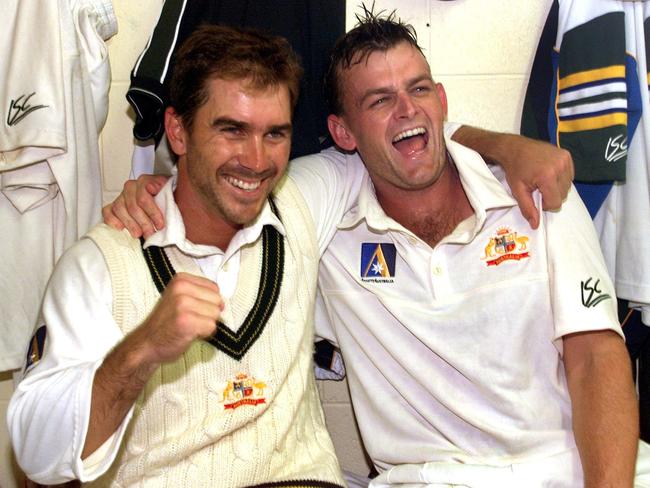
x=405, y=106
x=254, y=155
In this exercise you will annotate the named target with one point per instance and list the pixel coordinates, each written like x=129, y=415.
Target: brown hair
x=373, y=32
x=230, y=53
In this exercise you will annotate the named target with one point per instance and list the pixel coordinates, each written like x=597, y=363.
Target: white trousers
x=530, y=475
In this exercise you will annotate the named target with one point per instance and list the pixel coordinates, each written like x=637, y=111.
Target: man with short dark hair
x=479, y=352
x=185, y=359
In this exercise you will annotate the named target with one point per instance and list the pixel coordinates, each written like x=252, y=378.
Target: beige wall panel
x=136, y=20
x=485, y=36
x=343, y=428
x=117, y=138
x=493, y=102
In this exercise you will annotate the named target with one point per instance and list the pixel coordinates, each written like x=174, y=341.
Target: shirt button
x=412, y=241
x=437, y=270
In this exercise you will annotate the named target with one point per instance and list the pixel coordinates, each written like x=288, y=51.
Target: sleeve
x=582, y=293
x=329, y=182
x=49, y=411
x=33, y=124
x=96, y=22
x=589, y=100
x=147, y=93
x=450, y=128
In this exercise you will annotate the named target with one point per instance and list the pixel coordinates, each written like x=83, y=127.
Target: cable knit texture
x=207, y=419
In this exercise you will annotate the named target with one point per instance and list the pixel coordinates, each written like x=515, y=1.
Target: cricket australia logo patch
x=505, y=245
x=378, y=262
x=243, y=390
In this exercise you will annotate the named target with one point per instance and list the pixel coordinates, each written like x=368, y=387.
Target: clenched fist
x=187, y=310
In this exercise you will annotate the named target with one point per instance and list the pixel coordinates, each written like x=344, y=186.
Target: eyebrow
x=245, y=126
x=384, y=90
x=281, y=128
x=226, y=121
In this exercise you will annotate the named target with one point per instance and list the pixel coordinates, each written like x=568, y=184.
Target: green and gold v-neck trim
x=235, y=344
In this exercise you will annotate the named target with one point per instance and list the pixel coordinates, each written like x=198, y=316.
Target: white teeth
x=409, y=133
x=243, y=184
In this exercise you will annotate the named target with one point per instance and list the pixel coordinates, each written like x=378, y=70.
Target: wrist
x=494, y=147
x=131, y=363
x=501, y=150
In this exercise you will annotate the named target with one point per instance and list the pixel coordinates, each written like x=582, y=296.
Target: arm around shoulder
x=529, y=165
x=135, y=208
x=329, y=182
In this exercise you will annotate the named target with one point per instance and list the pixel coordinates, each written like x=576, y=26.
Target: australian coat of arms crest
x=505, y=245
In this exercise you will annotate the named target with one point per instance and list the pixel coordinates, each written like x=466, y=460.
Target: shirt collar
x=173, y=234
x=484, y=190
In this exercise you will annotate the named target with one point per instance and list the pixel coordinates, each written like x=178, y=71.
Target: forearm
x=188, y=310
x=605, y=415
x=529, y=165
x=495, y=147
x=117, y=384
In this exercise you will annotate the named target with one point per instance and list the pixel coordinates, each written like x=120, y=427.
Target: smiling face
x=393, y=115
x=236, y=151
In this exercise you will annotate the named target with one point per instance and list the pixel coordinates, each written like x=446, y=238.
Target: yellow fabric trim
x=591, y=123
x=617, y=71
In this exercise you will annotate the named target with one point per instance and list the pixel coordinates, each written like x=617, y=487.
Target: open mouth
x=243, y=185
x=411, y=140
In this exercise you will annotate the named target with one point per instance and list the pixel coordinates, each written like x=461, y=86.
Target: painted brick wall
x=480, y=49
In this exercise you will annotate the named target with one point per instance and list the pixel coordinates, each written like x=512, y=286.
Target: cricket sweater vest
x=209, y=419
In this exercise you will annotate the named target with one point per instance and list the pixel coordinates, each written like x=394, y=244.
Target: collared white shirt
x=220, y=266
x=80, y=336
x=453, y=353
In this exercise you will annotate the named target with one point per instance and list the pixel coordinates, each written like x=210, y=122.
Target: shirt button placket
x=439, y=283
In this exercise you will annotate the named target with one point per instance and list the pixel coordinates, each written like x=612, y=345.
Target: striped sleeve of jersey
x=646, y=28
x=590, y=97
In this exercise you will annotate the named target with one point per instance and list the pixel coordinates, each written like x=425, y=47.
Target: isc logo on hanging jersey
x=377, y=262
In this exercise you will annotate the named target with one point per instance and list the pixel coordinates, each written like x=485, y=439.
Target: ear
x=340, y=133
x=442, y=95
x=175, y=131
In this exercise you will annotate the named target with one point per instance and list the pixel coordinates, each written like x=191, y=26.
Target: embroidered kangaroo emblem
x=522, y=241
x=489, y=249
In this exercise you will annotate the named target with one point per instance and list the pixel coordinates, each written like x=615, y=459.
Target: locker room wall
x=481, y=50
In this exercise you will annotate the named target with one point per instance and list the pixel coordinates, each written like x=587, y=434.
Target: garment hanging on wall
x=584, y=94
x=623, y=221
x=578, y=93
x=54, y=103
x=311, y=26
